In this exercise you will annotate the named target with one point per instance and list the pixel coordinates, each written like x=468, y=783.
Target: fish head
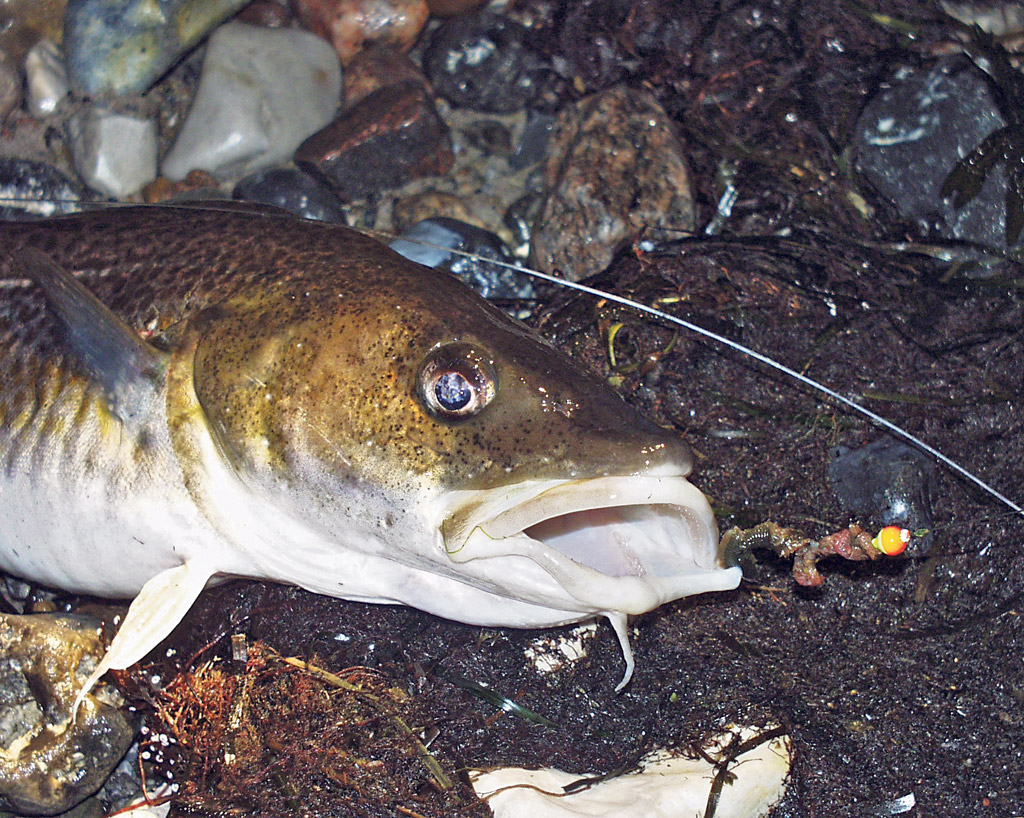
x=392, y=413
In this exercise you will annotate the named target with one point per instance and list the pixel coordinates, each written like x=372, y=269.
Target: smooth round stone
x=468, y=252
x=295, y=191
x=113, y=153
x=46, y=78
x=261, y=93
x=124, y=46
x=30, y=189
x=482, y=61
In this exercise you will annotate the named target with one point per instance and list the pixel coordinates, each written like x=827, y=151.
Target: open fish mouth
x=618, y=544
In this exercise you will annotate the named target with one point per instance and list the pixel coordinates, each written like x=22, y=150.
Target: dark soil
x=896, y=677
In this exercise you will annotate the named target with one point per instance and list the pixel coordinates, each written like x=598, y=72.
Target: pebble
x=889, y=483
x=392, y=136
x=351, y=25
x=482, y=61
x=295, y=191
x=114, y=154
x=376, y=68
x=10, y=87
x=31, y=189
x=46, y=78
x=908, y=138
x=615, y=170
x=124, y=46
x=262, y=92
x=44, y=660
x=432, y=241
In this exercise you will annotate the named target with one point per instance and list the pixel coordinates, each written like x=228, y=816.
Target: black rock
x=889, y=483
x=482, y=61
x=910, y=136
x=431, y=242
x=295, y=191
x=30, y=189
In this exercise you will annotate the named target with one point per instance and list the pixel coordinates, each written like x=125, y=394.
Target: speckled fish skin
x=289, y=441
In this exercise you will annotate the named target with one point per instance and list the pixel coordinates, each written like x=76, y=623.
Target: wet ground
x=897, y=678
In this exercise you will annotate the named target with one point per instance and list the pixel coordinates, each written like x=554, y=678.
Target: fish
x=198, y=393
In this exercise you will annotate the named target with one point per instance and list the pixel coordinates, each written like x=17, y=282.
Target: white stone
x=667, y=786
x=113, y=153
x=261, y=93
x=46, y=78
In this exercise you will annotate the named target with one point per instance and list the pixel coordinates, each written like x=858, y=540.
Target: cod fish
x=191, y=394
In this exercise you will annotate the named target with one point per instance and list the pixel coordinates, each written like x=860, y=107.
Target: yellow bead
x=892, y=540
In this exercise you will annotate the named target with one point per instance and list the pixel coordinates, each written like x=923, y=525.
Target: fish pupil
x=453, y=391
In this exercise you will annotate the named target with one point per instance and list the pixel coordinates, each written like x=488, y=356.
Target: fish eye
x=456, y=381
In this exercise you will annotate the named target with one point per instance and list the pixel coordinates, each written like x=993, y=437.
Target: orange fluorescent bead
x=892, y=540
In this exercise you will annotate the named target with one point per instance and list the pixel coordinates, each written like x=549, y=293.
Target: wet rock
x=46, y=78
x=483, y=61
x=266, y=13
x=10, y=86
x=391, y=137
x=909, y=137
x=114, y=154
x=124, y=46
x=50, y=763
x=432, y=242
x=615, y=170
x=449, y=8
x=351, y=25
x=261, y=93
x=889, y=483
x=376, y=68
x=30, y=189
x=295, y=191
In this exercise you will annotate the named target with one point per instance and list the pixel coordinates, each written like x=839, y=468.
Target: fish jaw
x=604, y=545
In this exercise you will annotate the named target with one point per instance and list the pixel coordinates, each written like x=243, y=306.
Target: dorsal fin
x=127, y=368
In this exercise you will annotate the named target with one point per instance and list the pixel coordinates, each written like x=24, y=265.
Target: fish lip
x=680, y=558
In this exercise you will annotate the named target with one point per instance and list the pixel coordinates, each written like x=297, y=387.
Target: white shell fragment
x=667, y=786
x=551, y=653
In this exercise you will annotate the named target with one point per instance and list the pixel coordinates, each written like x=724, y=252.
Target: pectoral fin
x=160, y=606
x=128, y=369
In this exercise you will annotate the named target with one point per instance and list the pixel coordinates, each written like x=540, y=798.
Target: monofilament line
x=764, y=359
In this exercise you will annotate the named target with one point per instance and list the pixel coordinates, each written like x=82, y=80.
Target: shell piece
x=666, y=786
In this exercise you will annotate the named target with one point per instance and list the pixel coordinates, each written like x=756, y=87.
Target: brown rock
x=449, y=8
x=375, y=68
x=266, y=13
x=615, y=169
x=392, y=136
x=350, y=25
